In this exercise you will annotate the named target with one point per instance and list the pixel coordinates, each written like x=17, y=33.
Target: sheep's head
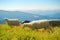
x=6, y=19
x=26, y=21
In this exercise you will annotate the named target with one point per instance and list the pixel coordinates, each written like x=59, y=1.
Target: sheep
x=12, y=22
x=26, y=21
x=38, y=24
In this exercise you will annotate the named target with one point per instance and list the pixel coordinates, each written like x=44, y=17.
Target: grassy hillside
x=18, y=33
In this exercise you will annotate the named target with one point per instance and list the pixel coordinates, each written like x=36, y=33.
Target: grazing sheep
x=12, y=22
x=38, y=24
x=26, y=21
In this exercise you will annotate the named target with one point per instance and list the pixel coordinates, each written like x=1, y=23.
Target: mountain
x=43, y=12
x=51, y=14
x=19, y=15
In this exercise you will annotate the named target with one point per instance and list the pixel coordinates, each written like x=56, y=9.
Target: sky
x=29, y=5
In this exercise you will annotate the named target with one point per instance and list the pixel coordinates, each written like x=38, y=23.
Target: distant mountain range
x=29, y=15
x=51, y=14
x=43, y=12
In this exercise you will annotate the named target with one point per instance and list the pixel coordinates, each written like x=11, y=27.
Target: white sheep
x=12, y=22
x=38, y=24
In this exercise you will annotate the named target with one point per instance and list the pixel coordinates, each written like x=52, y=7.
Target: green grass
x=18, y=33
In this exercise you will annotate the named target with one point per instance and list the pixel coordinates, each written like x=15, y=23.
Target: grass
x=18, y=33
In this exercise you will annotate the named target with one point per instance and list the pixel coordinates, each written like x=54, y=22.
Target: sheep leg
x=50, y=29
x=44, y=29
x=37, y=30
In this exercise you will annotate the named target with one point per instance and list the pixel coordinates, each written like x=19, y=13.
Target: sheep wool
x=12, y=22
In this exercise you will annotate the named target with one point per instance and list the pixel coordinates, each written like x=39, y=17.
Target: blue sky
x=29, y=4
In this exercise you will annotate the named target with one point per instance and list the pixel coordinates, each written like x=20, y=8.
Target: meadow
x=20, y=33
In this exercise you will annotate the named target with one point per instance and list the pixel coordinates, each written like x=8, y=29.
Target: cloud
x=41, y=7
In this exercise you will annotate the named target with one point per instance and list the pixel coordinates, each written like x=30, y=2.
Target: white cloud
x=48, y=7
